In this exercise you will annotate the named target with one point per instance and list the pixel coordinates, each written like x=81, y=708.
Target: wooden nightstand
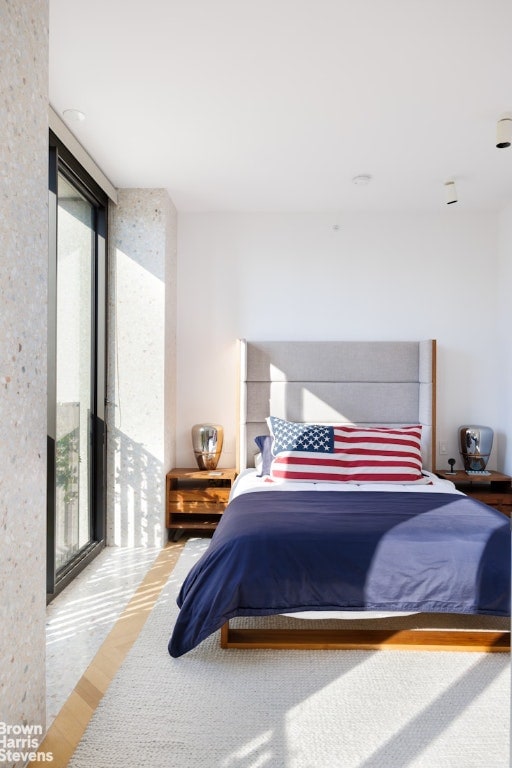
x=494, y=489
x=196, y=499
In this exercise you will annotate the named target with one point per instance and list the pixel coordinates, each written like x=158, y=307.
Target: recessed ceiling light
x=362, y=180
x=73, y=115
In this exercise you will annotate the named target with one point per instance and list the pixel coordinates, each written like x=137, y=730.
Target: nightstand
x=195, y=499
x=494, y=489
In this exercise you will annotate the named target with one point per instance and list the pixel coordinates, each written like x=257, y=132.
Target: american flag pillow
x=346, y=453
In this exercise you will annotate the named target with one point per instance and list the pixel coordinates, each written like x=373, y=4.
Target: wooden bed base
x=366, y=639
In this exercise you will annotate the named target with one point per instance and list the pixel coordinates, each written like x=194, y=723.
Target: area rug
x=216, y=708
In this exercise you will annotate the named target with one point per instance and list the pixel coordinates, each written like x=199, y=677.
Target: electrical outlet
x=443, y=448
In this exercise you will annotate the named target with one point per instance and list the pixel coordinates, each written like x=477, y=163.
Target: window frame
x=62, y=161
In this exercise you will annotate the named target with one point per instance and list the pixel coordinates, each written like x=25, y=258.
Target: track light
x=504, y=132
x=451, y=192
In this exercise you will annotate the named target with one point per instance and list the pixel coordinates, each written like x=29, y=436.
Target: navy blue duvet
x=287, y=551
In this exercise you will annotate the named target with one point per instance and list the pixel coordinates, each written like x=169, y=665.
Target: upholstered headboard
x=365, y=382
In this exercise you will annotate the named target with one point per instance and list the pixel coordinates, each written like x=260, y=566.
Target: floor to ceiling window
x=76, y=393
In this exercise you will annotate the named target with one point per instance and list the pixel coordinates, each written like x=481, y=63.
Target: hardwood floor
x=68, y=727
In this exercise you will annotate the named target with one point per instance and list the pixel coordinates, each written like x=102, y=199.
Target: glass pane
x=75, y=219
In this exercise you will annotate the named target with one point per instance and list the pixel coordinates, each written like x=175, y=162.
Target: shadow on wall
x=137, y=494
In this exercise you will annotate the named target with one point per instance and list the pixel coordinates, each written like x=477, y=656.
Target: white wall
x=504, y=337
x=376, y=276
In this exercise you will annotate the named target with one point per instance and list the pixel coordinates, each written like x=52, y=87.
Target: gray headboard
x=364, y=382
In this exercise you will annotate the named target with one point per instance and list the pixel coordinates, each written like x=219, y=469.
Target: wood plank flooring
x=68, y=727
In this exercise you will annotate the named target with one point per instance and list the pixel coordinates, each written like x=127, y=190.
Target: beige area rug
x=296, y=709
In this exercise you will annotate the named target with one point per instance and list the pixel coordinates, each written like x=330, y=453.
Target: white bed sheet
x=248, y=481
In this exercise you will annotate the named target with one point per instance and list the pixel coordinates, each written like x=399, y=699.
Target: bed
x=343, y=515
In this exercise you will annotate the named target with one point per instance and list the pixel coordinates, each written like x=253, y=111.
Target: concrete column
x=23, y=369
x=141, y=365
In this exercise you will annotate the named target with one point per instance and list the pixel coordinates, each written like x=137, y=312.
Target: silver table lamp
x=475, y=446
x=207, y=442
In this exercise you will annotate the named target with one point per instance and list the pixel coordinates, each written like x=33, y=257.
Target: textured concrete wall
x=141, y=365
x=23, y=331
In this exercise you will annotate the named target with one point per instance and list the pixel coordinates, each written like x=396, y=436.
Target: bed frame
x=365, y=639
x=365, y=382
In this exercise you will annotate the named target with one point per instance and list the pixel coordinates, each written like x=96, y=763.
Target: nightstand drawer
x=208, y=497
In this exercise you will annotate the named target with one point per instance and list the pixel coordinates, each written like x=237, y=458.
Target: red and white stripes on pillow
x=345, y=453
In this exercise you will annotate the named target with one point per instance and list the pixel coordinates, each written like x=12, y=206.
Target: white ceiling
x=274, y=105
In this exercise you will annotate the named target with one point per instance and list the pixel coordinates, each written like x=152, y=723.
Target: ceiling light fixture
x=73, y=115
x=362, y=180
x=451, y=192
x=504, y=132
